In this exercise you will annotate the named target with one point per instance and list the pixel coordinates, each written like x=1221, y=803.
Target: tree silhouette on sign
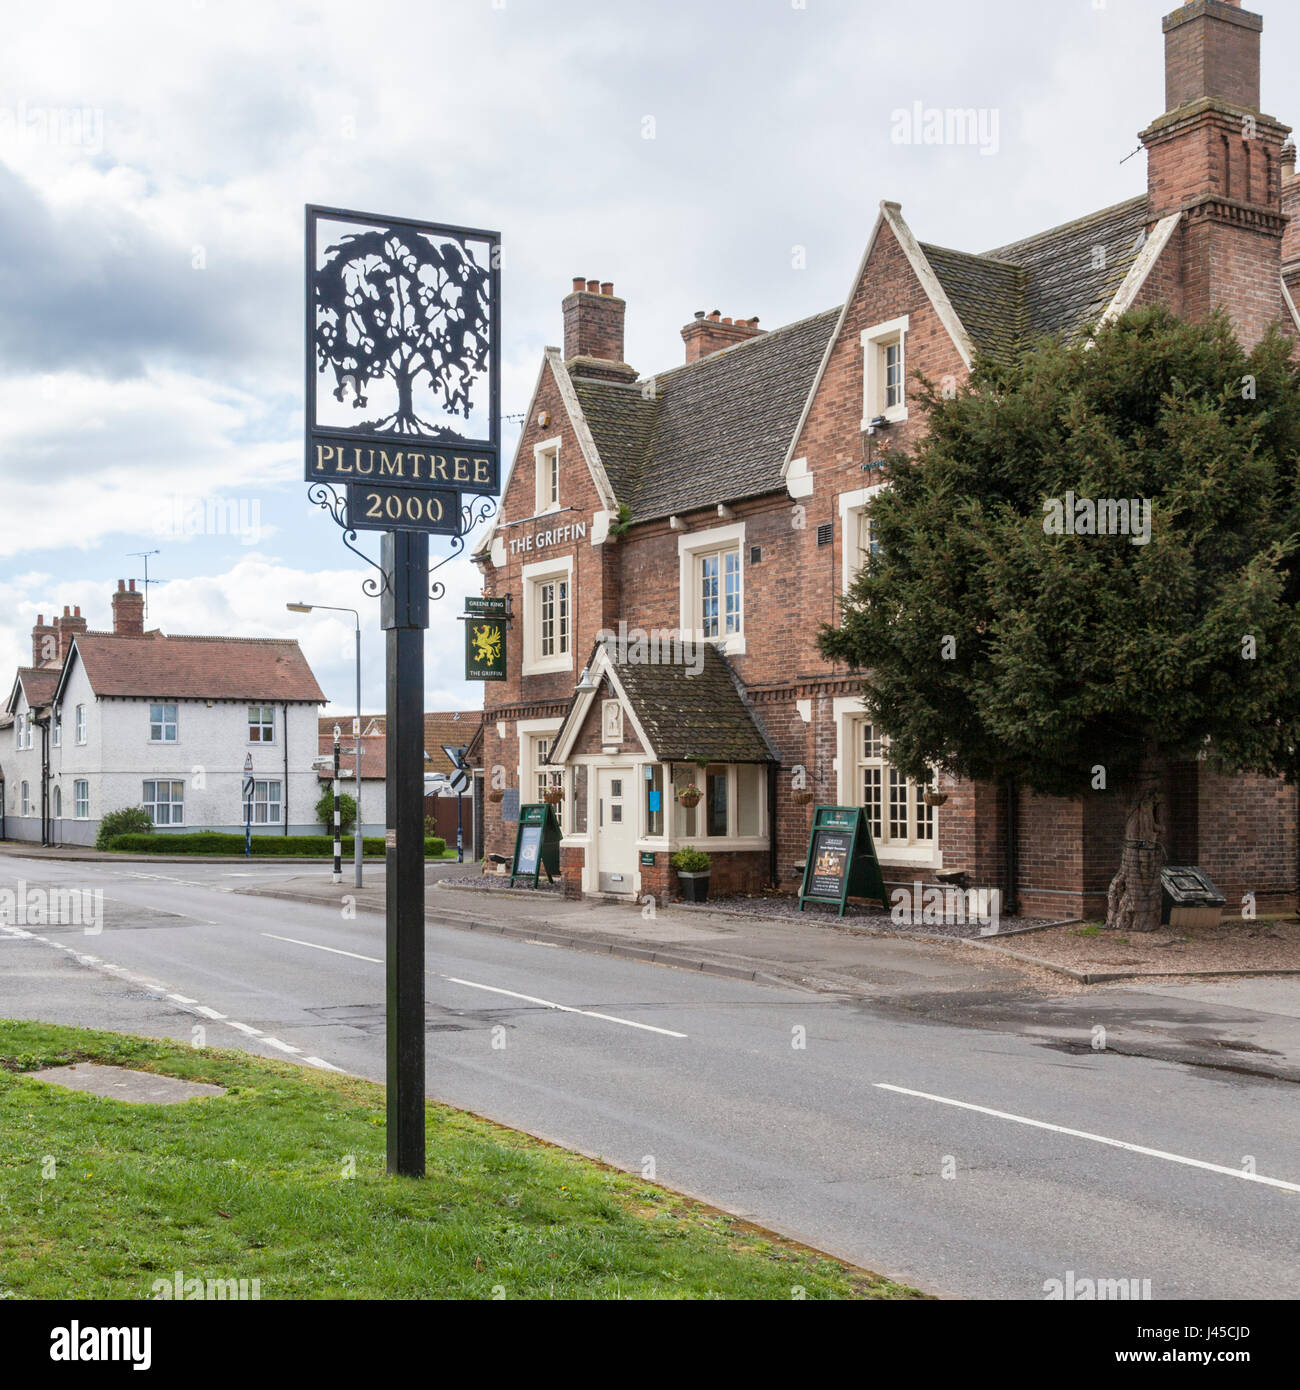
x=395, y=304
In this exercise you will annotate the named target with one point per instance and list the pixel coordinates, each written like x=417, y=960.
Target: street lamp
x=356, y=829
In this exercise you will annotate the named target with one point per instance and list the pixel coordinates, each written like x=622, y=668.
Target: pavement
x=1249, y=1025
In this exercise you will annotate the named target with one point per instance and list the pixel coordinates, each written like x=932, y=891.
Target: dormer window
x=547, y=459
x=884, y=371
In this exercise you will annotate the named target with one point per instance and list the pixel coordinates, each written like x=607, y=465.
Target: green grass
x=252, y=1185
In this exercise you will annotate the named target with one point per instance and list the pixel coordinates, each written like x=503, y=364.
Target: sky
x=155, y=159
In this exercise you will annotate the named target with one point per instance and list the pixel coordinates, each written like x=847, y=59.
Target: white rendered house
x=105, y=720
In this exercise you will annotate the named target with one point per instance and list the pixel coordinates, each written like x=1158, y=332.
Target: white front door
x=615, y=830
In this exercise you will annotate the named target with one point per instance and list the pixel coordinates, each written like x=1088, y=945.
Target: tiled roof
x=198, y=668
x=687, y=716
x=456, y=728
x=711, y=431
x=374, y=750
x=39, y=683
x=1058, y=282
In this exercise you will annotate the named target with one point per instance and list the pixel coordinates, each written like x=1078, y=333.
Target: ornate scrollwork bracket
x=328, y=500
x=472, y=513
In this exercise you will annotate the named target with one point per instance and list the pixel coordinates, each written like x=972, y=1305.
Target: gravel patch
x=1232, y=945
x=490, y=881
x=867, y=917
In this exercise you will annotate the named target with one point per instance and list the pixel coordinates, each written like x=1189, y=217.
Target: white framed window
x=268, y=800
x=895, y=805
x=733, y=805
x=162, y=723
x=536, y=738
x=57, y=800
x=81, y=799
x=546, y=457
x=25, y=796
x=857, y=543
x=56, y=728
x=884, y=371
x=548, y=616
x=712, y=585
x=81, y=723
x=261, y=723
x=165, y=802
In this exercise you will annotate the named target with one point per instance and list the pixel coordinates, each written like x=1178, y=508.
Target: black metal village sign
x=403, y=415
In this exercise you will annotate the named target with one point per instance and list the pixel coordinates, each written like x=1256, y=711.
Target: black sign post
x=405, y=615
x=403, y=420
x=537, y=845
x=842, y=861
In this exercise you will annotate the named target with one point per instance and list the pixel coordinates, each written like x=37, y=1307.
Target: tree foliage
x=392, y=303
x=992, y=647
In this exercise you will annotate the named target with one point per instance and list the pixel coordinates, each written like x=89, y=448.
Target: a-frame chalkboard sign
x=842, y=861
x=537, y=844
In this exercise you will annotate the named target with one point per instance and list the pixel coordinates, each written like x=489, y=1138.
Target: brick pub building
x=725, y=499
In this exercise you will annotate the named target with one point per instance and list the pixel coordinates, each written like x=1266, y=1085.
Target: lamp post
x=356, y=829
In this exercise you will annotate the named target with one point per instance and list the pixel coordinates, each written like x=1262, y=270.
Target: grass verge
x=255, y=1184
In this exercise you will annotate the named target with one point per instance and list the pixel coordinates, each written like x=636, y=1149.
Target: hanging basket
x=553, y=796
x=496, y=794
x=802, y=798
x=934, y=798
x=690, y=797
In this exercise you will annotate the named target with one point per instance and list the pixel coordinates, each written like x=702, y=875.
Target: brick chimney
x=593, y=331
x=128, y=611
x=1291, y=209
x=1214, y=158
x=67, y=628
x=711, y=333
x=45, y=641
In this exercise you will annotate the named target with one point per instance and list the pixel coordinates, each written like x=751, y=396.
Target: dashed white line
x=1098, y=1139
x=492, y=989
x=283, y=1046
x=333, y=950
x=565, y=1008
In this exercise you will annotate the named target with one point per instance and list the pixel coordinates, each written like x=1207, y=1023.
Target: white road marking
x=319, y=1062
x=334, y=951
x=493, y=989
x=564, y=1008
x=181, y=999
x=244, y=1028
x=207, y=1012
x=1098, y=1139
x=283, y=1046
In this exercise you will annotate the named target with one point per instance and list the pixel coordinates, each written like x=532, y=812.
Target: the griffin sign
x=402, y=333
x=485, y=649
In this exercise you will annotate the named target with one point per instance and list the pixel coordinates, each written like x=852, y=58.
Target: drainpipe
x=773, y=771
x=1012, y=904
x=284, y=800
x=45, y=780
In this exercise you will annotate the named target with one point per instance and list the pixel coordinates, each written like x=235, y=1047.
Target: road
x=970, y=1162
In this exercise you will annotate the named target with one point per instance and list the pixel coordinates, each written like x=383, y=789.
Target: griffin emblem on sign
x=487, y=645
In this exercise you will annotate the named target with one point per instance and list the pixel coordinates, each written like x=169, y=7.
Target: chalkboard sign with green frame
x=841, y=861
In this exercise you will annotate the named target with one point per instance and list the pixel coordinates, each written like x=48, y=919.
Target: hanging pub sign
x=841, y=861
x=380, y=507
x=537, y=844
x=479, y=607
x=403, y=358
x=485, y=649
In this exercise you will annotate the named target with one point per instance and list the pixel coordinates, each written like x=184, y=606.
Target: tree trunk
x=405, y=406
x=1133, y=903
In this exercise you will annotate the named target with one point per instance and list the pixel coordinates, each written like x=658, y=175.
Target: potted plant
x=693, y=867
x=689, y=795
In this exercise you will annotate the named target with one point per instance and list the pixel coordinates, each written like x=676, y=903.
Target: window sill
x=548, y=666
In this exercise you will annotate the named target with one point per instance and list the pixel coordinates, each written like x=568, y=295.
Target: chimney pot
x=579, y=283
x=715, y=316
x=699, y=313
x=607, y=287
x=67, y=612
x=593, y=286
x=76, y=612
